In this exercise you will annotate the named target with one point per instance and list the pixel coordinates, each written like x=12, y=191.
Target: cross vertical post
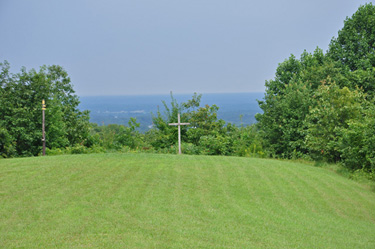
x=179, y=131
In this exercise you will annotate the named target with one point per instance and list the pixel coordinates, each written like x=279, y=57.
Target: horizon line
x=162, y=94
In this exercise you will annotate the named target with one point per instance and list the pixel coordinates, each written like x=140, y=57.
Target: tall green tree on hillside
x=357, y=140
x=316, y=105
x=288, y=99
x=354, y=49
x=333, y=108
x=20, y=110
x=354, y=46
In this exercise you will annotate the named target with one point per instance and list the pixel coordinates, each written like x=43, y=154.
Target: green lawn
x=170, y=201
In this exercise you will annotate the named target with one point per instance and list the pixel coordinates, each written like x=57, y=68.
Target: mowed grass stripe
x=153, y=201
x=341, y=191
x=310, y=191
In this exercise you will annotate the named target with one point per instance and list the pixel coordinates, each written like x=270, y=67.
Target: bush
x=357, y=142
x=55, y=152
x=363, y=175
x=254, y=150
x=214, y=145
x=7, y=146
x=189, y=149
x=77, y=149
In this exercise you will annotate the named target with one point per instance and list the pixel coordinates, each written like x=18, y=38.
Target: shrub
x=189, y=149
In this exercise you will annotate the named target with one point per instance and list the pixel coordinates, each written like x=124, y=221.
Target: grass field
x=168, y=201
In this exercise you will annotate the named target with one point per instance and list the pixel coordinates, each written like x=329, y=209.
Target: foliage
x=77, y=149
x=205, y=135
x=333, y=109
x=115, y=137
x=208, y=132
x=319, y=105
x=247, y=142
x=21, y=96
x=282, y=125
x=287, y=101
x=7, y=144
x=163, y=134
x=357, y=140
x=203, y=125
x=129, y=136
x=354, y=50
x=354, y=46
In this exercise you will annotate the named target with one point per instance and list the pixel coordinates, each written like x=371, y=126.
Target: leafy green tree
x=105, y=135
x=357, y=140
x=203, y=122
x=115, y=137
x=7, y=145
x=210, y=134
x=354, y=50
x=318, y=105
x=163, y=135
x=245, y=141
x=282, y=124
x=129, y=136
x=287, y=101
x=20, y=109
x=354, y=46
x=334, y=108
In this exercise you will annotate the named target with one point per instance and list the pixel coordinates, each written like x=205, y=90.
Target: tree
x=210, y=134
x=163, y=135
x=129, y=136
x=287, y=101
x=354, y=46
x=333, y=109
x=319, y=104
x=20, y=109
x=357, y=139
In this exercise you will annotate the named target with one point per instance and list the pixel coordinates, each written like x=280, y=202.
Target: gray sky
x=122, y=47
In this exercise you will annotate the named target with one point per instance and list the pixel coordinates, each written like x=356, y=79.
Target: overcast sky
x=121, y=47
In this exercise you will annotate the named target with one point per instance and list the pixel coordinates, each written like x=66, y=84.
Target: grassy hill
x=167, y=201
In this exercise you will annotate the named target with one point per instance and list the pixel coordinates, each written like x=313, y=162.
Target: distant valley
x=106, y=110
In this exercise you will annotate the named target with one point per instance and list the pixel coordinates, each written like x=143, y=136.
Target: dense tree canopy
x=354, y=47
x=20, y=110
x=319, y=105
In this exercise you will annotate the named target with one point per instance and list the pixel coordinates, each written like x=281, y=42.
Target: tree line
x=319, y=106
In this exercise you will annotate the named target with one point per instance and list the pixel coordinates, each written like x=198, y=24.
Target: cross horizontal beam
x=179, y=123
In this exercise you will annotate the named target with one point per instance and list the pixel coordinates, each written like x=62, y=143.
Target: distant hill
x=119, y=109
x=171, y=201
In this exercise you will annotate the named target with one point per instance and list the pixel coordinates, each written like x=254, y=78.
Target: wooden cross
x=179, y=131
